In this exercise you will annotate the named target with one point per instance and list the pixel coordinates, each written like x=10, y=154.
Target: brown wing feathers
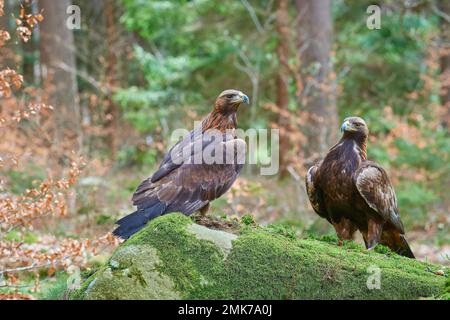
x=373, y=184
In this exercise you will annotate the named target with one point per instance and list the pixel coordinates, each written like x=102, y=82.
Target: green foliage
x=17, y=236
x=413, y=200
x=413, y=156
x=136, y=155
x=103, y=219
x=57, y=288
x=189, y=54
x=381, y=65
x=24, y=179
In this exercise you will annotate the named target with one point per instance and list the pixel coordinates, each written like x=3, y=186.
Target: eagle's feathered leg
x=373, y=235
x=345, y=229
x=364, y=235
x=204, y=210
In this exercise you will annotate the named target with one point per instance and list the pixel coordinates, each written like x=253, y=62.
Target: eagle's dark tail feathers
x=135, y=221
x=396, y=241
x=404, y=249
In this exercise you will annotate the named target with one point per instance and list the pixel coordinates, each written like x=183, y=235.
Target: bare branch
x=440, y=13
x=253, y=15
x=26, y=268
x=99, y=86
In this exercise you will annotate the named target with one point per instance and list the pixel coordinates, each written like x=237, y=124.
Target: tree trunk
x=318, y=98
x=444, y=7
x=282, y=27
x=58, y=66
x=111, y=75
x=29, y=50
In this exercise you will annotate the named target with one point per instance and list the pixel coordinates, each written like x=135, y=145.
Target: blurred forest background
x=86, y=113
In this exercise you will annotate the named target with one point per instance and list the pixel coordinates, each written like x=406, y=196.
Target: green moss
x=326, y=238
x=383, y=249
x=310, y=269
x=171, y=258
x=283, y=230
x=81, y=293
x=446, y=294
x=247, y=219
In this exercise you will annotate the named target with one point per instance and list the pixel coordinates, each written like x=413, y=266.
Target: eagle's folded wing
x=182, y=152
x=314, y=193
x=373, y=184
x=189, y=186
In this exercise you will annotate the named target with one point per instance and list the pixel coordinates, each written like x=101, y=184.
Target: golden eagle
x=353, y=193
x=195, y=171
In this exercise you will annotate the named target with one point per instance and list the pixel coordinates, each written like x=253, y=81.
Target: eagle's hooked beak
x=241, y=98
x=347, y=126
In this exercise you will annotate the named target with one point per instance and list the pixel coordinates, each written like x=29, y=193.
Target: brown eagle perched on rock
x=195, y=171
x=353, y=193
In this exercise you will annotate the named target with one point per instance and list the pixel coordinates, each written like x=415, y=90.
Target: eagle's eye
x=229, y=96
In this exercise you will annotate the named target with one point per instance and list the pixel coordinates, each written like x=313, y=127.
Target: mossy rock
x=446, y=294
x=174, y=258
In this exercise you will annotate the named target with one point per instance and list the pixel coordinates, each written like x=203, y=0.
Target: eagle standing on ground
x=353, y=193
x=182, y=183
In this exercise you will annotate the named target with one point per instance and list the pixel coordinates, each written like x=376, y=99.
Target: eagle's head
x=355, y=127
x=230, y=100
